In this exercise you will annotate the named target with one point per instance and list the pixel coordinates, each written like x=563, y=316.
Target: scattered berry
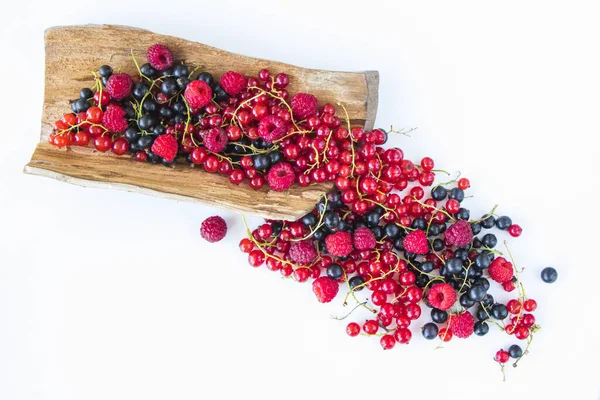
x=462, y=325
x=114, y=119
x=339, y=244
x=441, y=296
x=304, y=105
x=160, y=57
x=119, y=86
x=215, y=139
x=281, y=177
x=198, y=94
x=213, y=229
x=501, y=270
x=459, y=234
x=364, y=239
x=302, y=253
x=232, y=82
x=416, y=242
x=549, y=275
x=165, y=146
x=325, y=289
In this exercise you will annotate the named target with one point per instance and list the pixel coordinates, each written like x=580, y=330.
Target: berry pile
x=246, y=128
x=411, y=244
x=385, y=227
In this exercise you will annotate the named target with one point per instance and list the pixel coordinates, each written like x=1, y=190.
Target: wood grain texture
x=73, y=52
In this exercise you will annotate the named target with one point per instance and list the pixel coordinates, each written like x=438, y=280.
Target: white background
x=113, y=295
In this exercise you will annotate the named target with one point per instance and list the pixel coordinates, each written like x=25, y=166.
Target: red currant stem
x=494, y=251
x=402, y=131
x=521, y=288
x=491, y=319
x=348, y=314
x=441, y=170
x=351, y=138
x=283, y=262
x=434, y=208
x=394, y=270
x=466, y=276
x=384, y=207
x=435, y=278
x=138, y=67
x=69, y=129
x=319, y=224
x=485, y=216
x=373, y=334
x=193, y=71
x=425, y=273
x=345, y=303
x=254, y=149
x=281, y=99
x=503, y=373
x=449, y=182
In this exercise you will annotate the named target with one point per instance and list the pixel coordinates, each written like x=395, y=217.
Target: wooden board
x=72, y=53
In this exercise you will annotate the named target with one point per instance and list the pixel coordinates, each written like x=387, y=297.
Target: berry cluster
x=386, y=228
x=246, y=128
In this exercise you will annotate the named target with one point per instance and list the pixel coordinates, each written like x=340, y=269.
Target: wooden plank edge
x=30, y=169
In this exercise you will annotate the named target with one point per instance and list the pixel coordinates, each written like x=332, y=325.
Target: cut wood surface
x=72, y=53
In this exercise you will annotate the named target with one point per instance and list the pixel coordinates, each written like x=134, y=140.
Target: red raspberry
x=441, y=296
x=501, y=270
x=232, y=82
x=304, y=105
x=459, y=234
x=119, y=86
x=416, y=242
x=165, y=146
x=213, y=228
x=325, y=289
x=462, y=325
x=271, y=128
x=302, y=253
x=198, y=94
x=215, y=139
x=160, y=57
x=339, y=244
x=281, y=177
x=114, y=119
x=364, y=239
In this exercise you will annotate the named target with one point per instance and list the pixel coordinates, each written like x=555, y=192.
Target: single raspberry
x=304, y=105
x=281, y=177
x=364, y=239
x=232, y=82
x=198, y=94
x=302, y=253
x=339, y=244
x=325, y=289
x=114, y=119
x=462, y=325
x=501, y=270
x=459, y=234
x=416, y=242
x=119, y=86
x=165, y=146
x=271, y=128
x=160, y=57
x=213, y=228
x=441, y=296
x=215, y=139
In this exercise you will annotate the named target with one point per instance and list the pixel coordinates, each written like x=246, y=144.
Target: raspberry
x=339, y=244
x=160, y=57
x=213, y=228
x=364, y=239
x=232, y=82
x=441, y=296
x=198, y=94
x=281, y=177
x=416, y=242
x=114, y=119
x=501, y=270
x=165, y=146
x=119, y=86
x=304, y=105
x=325, y=289
x=462, y=325
x=302, y=253
x=215, y=139
x=459, y=234
x=271, y=128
